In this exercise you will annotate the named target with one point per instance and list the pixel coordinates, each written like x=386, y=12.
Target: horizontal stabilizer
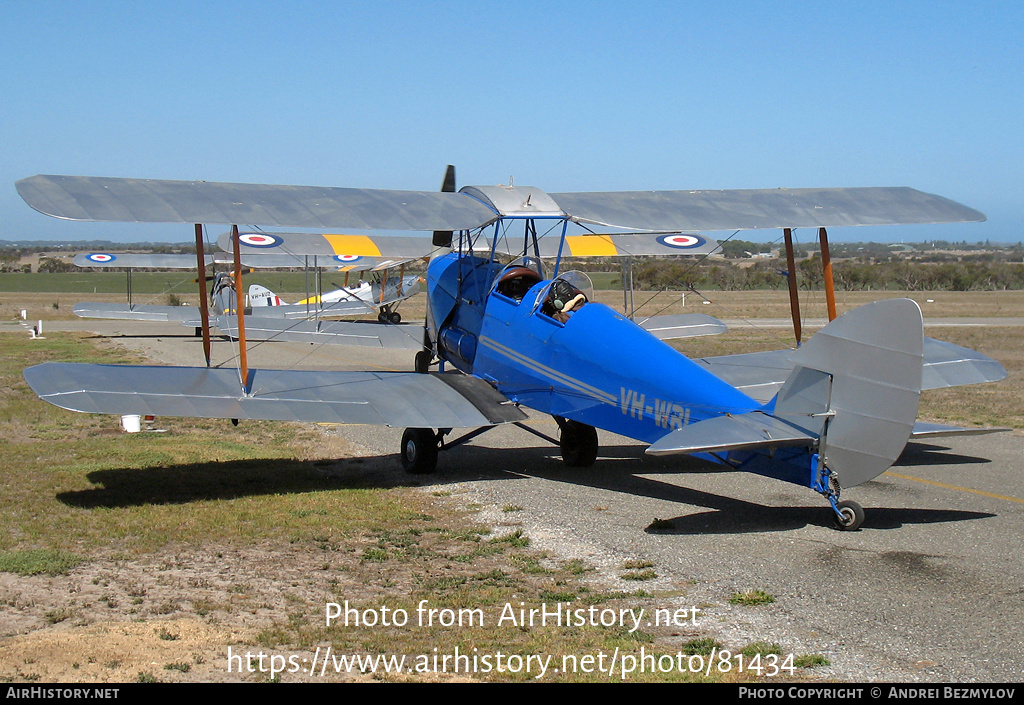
x=948, y=365
x=758, y=375
x=402, y=399
x=683, y=325
x=732, y=432
x=937, y=430
x=761, y=375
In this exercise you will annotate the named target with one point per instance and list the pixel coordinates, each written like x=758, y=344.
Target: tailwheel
x=578, y=442
x=419, y=451
x=848, y=515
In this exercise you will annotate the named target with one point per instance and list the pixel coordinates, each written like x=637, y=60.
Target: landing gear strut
x=847, y=515
x=388, y=315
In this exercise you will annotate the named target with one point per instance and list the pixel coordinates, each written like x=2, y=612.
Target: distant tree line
x=929, y=266
x=11, y=263
x=32, y=247
x=848, y=275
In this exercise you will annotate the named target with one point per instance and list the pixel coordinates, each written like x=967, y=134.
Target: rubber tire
x=421, y=363
x=395, y=317
x=852, y=516
x=578, y=442
x=419, y=451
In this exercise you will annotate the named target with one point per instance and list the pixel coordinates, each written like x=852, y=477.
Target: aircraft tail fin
x=262, y=296
x=222, y=295
x=858, y=380
x=853, y=394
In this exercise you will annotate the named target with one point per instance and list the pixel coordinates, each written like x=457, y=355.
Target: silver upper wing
x=161, y=201
x=754, y=209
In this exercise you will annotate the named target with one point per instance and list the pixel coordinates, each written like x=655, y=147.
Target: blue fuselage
x=597, y=367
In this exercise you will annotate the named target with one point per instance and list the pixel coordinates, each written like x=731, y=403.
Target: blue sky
x=566, y=96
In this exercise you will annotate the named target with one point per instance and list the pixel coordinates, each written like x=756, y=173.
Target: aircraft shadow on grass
x=227, y=480
x=623, y=469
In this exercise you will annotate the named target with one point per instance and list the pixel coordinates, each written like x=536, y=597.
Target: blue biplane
x=504, y=332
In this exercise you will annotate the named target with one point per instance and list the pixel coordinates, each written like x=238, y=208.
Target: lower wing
x=401, y=399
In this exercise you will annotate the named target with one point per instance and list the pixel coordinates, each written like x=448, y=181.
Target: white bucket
x=132, y=423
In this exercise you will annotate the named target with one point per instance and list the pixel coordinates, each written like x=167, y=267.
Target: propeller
x=443, y=238
x=212, y=277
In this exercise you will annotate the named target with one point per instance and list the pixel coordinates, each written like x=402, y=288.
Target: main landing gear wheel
x=422, y=361
x=386, y=315
x=419, y=451
x=850, y=516
x=578, y=442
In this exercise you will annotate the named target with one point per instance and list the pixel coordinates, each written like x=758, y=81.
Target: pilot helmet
x=561, y=292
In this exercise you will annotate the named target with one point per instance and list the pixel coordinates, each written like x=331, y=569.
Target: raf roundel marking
x=347, y=259
x=259, y=240
x=682, y=242
x=101, y=257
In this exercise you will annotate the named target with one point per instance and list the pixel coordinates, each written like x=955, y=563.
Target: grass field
x=145, y=556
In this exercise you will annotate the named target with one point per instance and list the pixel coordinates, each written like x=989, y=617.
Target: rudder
x=857, y=384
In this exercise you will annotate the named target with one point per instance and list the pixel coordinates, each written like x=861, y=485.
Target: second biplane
x=832, y=414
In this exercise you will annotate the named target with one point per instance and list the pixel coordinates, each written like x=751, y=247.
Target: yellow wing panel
x=591, y=246
x=359, y=245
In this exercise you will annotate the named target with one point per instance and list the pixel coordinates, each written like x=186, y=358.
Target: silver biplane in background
x=348, y=254
x=131, y=261
x=371, y=298
x=830, y=415
x=309, y=319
